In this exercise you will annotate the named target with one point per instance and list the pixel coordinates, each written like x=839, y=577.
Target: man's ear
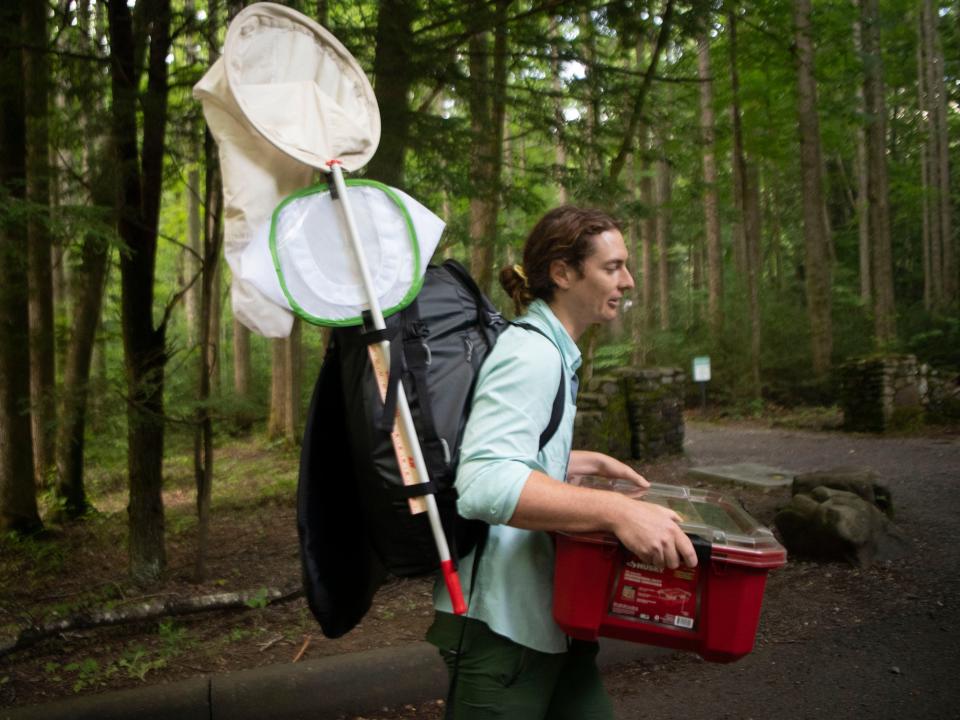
x=561, y=274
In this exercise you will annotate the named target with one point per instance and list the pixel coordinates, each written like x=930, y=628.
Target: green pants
x=493, y=677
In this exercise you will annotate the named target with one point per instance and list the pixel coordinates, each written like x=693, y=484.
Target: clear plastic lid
x=734, y=535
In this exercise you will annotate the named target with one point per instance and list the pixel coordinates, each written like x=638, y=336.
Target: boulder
x=831, y=524
x=860, y=481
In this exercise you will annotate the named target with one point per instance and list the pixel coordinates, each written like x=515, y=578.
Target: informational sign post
x=701, y=376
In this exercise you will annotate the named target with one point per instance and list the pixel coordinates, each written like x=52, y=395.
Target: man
x=508, y=659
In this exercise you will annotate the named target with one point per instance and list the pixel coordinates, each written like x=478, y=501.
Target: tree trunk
x=190, y=255
x=752, y=233
x=816, y=261
x=487, y=111
x=285, y=386
x=89, y=284
x=242, y=375
x=393, y=76
x=663, y=240
x=18, y=499
x=934, y=102
x=711, y=208
x=139, y=186
x=746, y=196
x=209, y=340
x=649, y=230
x=636, y=111
x=560, y=157
x=42, y=351
x=877, y=182
x=739, y=163
x=863, y=206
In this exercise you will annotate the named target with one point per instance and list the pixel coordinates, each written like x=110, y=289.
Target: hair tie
x=518, y=269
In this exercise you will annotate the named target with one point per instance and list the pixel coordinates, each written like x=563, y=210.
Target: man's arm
x=649, y=531
x=587, y=462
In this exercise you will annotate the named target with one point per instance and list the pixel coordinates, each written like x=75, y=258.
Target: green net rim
x=358, y=320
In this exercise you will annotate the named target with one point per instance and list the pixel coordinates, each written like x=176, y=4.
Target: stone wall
x=894, y=392
x=632, y=413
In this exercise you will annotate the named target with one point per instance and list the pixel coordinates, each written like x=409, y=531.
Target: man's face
x=596, y=295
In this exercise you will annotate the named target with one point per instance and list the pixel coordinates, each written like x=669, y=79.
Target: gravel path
x=834, y=641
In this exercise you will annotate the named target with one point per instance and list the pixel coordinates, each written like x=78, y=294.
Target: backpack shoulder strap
x=556, y=413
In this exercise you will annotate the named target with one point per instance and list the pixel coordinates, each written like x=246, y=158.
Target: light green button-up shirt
x=512, y=404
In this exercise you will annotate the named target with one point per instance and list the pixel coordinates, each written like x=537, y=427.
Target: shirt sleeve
x=511, y=407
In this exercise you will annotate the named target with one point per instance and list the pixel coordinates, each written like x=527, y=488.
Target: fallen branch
x=240, y=600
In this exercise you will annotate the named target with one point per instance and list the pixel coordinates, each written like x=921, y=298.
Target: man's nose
x=626, y=282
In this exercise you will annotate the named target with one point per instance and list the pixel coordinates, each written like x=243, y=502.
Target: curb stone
x=326, y=688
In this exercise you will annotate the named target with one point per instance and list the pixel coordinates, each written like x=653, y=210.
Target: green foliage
x=258, y=600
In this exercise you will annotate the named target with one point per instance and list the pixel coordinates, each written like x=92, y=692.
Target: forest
x=785, y=172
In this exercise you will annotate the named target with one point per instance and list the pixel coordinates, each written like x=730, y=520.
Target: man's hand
x=586, y=462
x=652, y=534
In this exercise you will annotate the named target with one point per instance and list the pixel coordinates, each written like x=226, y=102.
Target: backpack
x=353, y=516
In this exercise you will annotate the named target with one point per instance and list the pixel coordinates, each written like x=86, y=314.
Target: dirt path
x=834, y=641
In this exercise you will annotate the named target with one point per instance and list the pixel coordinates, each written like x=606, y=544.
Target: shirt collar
x=540, y=314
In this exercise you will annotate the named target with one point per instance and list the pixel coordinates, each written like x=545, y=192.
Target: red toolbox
x=601, y=589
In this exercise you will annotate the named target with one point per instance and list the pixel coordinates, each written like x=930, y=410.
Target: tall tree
x=648, y=228
x=284, y=419
x=139, y=176
x=89, y=282
x=942, y=281
x=878, y=195
x=711, y=206
x=663, y=238
x=42, y=354
x=862, y=204
x=816, y=260
x=487, y=100
x=393, y=72
x=18, y=500
x=748, y=211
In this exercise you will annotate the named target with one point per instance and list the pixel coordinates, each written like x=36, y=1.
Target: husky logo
x=637, y=565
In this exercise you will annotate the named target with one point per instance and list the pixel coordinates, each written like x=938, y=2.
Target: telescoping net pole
x=406, y=443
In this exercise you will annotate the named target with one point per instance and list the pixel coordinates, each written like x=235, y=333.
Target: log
x=153, y=610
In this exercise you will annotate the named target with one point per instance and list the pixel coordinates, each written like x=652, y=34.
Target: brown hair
x=565, y=234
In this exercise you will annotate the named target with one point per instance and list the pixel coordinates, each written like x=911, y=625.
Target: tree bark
x=89, y=284
x=739, y=163
x=816, y=262
x=560, y=157
x=42, y=350
x=636, y=111
x=190, y=255
x=488, y=112
x=285, y=387
x=934, y=102
x=711, y=207
x=18, y=500
x=140, y=177
x=663, y=240
x=393, y=72
x=863, y=205
x=877, y=182
x=746, y=196
x=648, y=230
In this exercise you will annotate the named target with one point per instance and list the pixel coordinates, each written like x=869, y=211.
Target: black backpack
x=353, y=516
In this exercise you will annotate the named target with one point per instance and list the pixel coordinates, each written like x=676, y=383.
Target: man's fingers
x=670, y=557
x=687, y=551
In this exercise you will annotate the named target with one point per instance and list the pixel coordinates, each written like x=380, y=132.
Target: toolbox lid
x=735, y=536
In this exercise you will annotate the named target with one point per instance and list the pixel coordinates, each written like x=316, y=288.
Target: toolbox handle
x=703, y=548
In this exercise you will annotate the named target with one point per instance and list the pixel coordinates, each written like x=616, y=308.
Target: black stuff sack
x=353, y=515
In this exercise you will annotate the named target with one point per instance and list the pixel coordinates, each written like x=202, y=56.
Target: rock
x=861, y=481
x=831, y=524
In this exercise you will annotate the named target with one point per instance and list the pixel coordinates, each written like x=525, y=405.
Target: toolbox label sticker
x=660, y=596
